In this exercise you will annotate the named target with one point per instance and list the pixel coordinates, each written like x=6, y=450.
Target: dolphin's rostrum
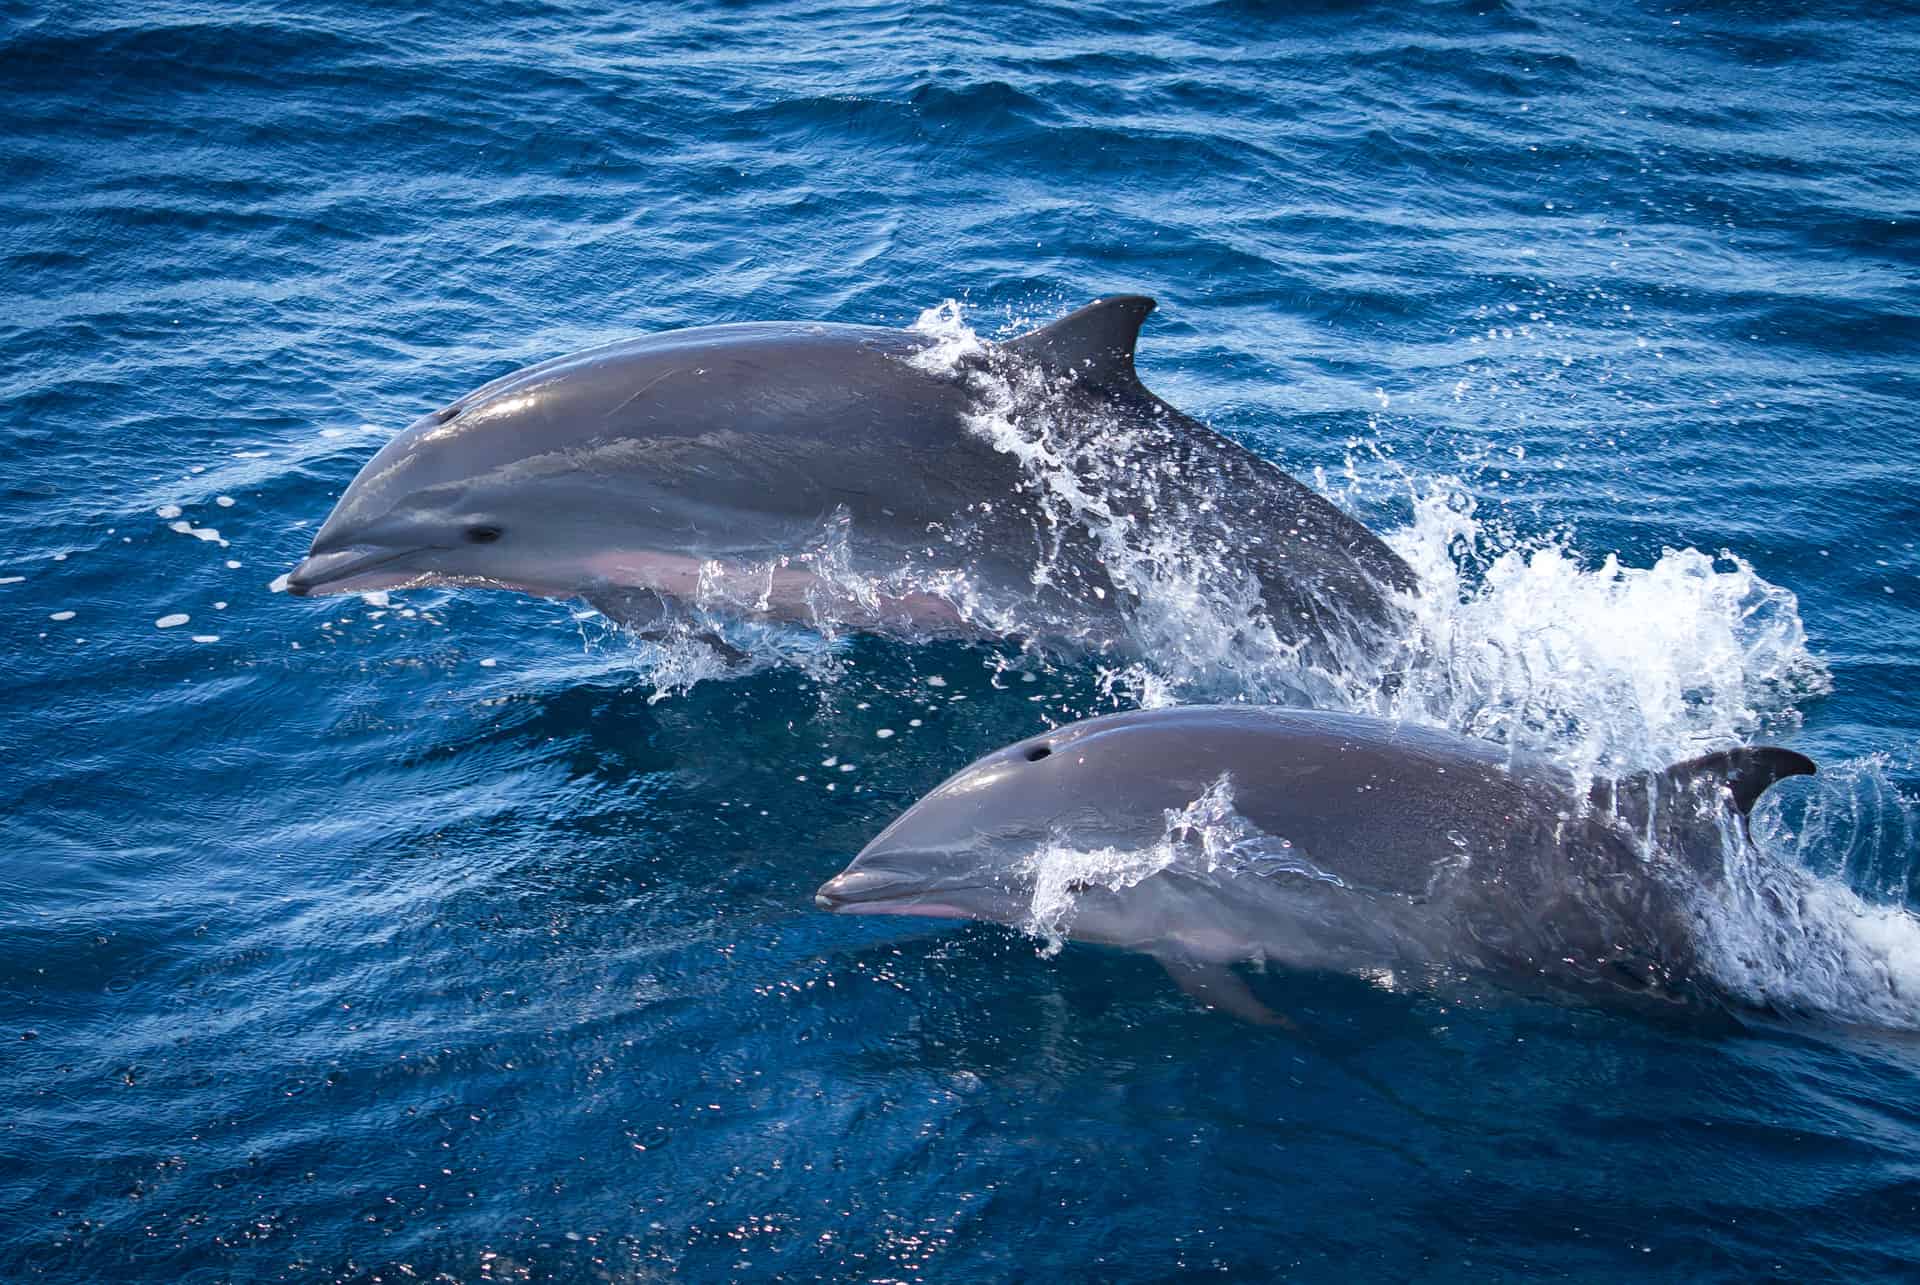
x=1208, y=836
x=849, y=476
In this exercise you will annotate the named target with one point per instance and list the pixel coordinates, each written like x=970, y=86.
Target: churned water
x=456, y=936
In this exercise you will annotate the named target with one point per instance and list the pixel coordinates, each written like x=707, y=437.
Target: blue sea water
x=460, y=937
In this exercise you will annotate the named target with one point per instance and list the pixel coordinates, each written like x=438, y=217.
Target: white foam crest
x=1137, y=684
x=1609, y=668
x=1780, y=938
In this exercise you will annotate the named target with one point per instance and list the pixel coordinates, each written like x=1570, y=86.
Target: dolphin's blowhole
x=1038, y=752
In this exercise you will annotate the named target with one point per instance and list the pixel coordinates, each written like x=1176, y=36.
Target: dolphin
x=852, y=477
x=1210, y=836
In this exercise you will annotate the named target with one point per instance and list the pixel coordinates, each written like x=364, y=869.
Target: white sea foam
x=1528, y=641
x=1607, y=667
x=954, y=340
x=206, y=533
x=173, y=621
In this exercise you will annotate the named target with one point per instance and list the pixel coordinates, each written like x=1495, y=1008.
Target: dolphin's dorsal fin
x=1740, y=775
x=1745, y=772
x=1095, y=343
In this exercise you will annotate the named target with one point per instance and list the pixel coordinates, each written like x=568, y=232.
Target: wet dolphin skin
x=1208, y=836
x=840, y=474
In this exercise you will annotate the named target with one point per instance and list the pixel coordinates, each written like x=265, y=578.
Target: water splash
x=1062, y=873
x=1523, y=640
x=1609, y=668
x=1206, y=840
x=1198, y=838
x=1784, y=930
x=1854, y=822
x=1169, y=539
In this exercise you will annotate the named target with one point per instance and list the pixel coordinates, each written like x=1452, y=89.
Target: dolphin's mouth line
x=910, y=907
x=924, y=901
x=302, y=587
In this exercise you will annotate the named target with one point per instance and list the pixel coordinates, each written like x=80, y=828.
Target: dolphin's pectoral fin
x=1218, y=986
x=1095, y=343
x=637, y=609
x=655, y=618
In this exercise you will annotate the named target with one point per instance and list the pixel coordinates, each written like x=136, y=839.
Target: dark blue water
x=459, y=935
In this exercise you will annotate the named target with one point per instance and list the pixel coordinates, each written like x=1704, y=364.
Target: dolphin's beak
x=885, y=892
x=345, y=571
x=850, y=886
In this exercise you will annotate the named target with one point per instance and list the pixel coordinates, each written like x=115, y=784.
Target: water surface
x=348, y=941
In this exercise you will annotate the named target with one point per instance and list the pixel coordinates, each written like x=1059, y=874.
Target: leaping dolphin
x=1208, y=836
x=853, y=476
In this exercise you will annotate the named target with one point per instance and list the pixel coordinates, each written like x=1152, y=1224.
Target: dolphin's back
x=1384, y=806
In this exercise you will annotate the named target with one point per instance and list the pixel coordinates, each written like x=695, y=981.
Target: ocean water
x=457, y=936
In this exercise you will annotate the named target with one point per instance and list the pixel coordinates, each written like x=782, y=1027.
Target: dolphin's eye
x=1038, y=752
x=482, y=534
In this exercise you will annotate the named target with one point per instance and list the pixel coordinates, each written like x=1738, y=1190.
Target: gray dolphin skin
x=812, y=472
x=1208, y=836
